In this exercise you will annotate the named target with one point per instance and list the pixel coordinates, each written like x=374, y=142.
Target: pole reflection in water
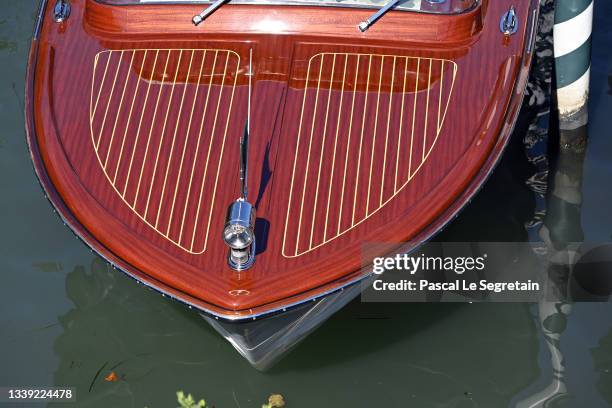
x=561, y=232
x=577, y=272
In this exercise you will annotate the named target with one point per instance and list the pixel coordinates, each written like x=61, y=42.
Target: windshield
x=426, y=6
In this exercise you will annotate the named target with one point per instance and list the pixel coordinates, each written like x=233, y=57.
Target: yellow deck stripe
x=195, y=157
x=426, y=112
x=95, y=108
x=348, y=143
x=399, y=129
x=146, y=152
x=110, y=98
x=129, y=116
x=384, y=167
x=416, y=92
x=382, y=64
x=127, y=80
x=314, y=214
x=127, y=178
x=178, y=177
x=331, y=176
x=227, y=121
x=365, y=109
x=212, y=133
x=297, y=150
x=314, y=115
x=163, y=133
x=173, y=143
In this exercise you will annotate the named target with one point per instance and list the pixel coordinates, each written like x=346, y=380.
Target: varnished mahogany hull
x=134, y=117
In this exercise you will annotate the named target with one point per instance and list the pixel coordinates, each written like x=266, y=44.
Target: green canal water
x=67, y=319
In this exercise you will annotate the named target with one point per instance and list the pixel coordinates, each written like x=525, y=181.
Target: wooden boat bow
x=134, y=119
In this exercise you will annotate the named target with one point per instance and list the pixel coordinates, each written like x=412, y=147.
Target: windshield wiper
x=364, y=25
x=209, y=10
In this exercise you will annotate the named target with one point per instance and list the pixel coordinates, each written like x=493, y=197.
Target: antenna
x=244, y=142
x=244, y=158
x=250, y=74
x=239, y=230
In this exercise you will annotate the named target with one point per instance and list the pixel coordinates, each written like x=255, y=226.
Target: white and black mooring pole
x=572, y=47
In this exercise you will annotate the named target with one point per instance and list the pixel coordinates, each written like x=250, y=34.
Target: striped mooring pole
x=572, y=47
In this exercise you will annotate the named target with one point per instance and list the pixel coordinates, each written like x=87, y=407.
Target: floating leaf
x=275, y=401
x=112, y=377
x=188, y=401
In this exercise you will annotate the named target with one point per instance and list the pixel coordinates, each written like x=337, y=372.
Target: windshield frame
x=360, y=4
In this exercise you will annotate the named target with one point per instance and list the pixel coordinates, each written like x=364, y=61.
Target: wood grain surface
x=134, y=118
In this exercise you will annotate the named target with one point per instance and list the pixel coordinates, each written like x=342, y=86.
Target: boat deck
x=135, y=117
